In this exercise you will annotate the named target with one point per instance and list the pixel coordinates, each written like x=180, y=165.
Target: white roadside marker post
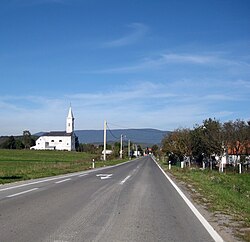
x=240, y=170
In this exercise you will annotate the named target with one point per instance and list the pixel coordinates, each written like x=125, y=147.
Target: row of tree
x=18, y=142
x=208, y=139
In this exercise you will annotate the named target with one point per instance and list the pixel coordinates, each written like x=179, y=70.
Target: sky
x=163, y=64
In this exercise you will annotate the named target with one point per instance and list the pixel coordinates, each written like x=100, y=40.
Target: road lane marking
x=63, y=180
x=20, y=193
x=104, y=176
x=130, y=175
x=82, y=175
x=124, y=180
x=37, y=182
x=204, y=222
x=61, y=177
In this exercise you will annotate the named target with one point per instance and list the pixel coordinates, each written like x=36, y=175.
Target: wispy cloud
x=138, y=30
x=142, y=104
x=188, y=58
x=123, y=93
x=166, y=59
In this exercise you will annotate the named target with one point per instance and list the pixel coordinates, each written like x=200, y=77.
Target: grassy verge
x=220, y=193
x=17, y=165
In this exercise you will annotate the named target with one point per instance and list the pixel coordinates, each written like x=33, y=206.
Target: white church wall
x=60, y=142
x=54, y=143
x=40, y=143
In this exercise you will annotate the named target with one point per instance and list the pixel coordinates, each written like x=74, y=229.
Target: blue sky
x=160, y=64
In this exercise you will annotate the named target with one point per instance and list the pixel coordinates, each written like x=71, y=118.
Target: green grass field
x=224, y=193
x=17, y=165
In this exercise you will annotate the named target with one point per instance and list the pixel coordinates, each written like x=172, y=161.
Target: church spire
x=70, y=121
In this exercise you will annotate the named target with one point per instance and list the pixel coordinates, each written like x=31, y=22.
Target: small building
x=58, y=140
x=235, y=152
x=108, y=152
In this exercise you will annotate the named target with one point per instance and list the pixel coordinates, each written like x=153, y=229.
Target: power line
x=147, y=131
x=118, y=138
x=112, y=133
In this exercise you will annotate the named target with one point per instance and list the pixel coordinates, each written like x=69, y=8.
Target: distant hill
x=139, y=136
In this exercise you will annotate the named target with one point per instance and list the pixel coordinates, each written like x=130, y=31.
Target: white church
x=58, y=140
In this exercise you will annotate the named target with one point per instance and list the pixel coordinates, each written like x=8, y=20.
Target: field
x=225, y=195
x=16, y=165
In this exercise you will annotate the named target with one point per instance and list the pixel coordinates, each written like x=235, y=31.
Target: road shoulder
x=220, y=222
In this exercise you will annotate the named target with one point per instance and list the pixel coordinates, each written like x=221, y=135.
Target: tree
x=77, y=143
x=178, y=143
x=207, y=140
x=10, y=143
x=168, y=143
x=184, y=144
x=88, y=148
x=116, y=149
x=212, y=137
x=139, y=148
x=197, y=143
x=236, y=136
x=28, y=141
x=19, y=144
x=155, y=149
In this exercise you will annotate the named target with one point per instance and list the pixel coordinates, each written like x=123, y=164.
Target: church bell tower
x=70, y=122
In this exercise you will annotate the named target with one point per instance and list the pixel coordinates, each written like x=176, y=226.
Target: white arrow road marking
x=104, y=176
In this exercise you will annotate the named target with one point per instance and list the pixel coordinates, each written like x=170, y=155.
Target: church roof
x=57, y=133
x=70, y=114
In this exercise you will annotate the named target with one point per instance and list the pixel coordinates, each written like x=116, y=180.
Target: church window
x=52, y=140
x=60, y=140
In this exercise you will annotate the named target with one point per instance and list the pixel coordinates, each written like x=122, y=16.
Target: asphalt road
x=130, y=202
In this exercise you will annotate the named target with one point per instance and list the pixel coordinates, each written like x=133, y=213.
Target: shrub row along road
x=129, y=202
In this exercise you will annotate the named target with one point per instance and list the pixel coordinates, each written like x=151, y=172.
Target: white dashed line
x=63, y=180
x=124, y=180
x=82, y=175
x=38, y=182
x=20, y=193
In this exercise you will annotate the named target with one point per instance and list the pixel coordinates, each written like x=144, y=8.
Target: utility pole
x=129, y=148
x=121, y=148
x=105, y=140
